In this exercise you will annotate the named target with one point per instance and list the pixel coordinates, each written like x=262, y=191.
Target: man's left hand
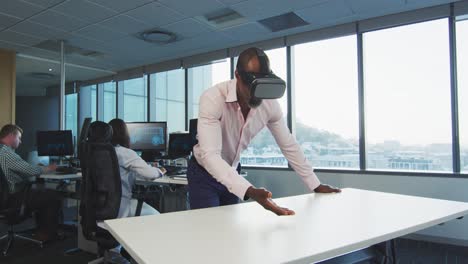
x=323, y=188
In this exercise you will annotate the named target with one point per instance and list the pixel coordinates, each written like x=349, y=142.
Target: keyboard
x=65, y=170
x=175, y=170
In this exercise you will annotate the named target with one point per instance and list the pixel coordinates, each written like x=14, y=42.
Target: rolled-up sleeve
x=208, y=150
x=21, y=168
x=143, y=171
x=290, y=148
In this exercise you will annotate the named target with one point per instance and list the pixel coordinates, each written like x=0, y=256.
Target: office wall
x=7, y=86
x=35, y=113
x=286, y=183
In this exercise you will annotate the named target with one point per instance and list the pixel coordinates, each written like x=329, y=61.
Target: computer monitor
x=148, y=137
x=193, y=131
x=180, y=145
x=54, y=143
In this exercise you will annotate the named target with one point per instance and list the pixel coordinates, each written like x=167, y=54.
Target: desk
x=163, y=180
x=325, y=226
x=53, y=176
x=142, y=188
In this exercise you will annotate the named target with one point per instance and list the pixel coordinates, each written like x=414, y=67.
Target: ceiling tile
x=326, y=13
x=7, y=21
x=44, y=3
x=19, y=9
x=86, y=43
x=125, y=24
x=155, y=14
x=20, y=39
x=37, y=30
x=260, y=9
x=248, y=31
x=369, y=6
x=187, y=28
x=67, y=23
x=193, y=8
x=85, y=10
x=121, y=5
x=11, y=46
x=425, y=3
x=231, y=2
x=100, y=33
x=129, y=45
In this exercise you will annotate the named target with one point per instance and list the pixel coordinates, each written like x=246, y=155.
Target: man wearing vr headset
x=231, y=114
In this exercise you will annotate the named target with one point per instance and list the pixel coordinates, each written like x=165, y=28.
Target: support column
x=7, y=86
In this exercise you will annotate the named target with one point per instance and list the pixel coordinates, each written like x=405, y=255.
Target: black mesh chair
x=101, y=190
x=12, y=213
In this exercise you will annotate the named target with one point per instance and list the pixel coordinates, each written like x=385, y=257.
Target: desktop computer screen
x=54, y=143
x=147, y=136
x=180, y=145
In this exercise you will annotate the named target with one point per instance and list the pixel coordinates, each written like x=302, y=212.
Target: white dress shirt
x=223, y=134
x=131, y=167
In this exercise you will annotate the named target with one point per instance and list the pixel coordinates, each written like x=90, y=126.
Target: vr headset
x=263, y=85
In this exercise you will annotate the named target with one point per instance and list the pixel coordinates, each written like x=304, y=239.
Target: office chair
x=13, y=213
x=101, y=190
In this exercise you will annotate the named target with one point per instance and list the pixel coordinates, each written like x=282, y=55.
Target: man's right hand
x=263, y=197
x=51, y=168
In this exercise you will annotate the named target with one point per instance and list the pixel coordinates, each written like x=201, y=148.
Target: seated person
x=132, y=167
x=46, y=203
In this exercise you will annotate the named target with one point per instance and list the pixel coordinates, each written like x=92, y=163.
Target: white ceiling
x=109, y=27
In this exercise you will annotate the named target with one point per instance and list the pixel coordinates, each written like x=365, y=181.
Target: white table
x=54, y=176
x=177, y=179
x=325, y=226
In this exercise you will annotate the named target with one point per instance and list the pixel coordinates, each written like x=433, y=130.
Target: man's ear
x=237, y=75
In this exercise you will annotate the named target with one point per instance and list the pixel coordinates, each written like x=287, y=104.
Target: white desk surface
x=325, y=226
x=163, y=179
x=53, y=176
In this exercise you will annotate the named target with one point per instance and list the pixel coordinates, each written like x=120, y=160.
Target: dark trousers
x=46, y=204
x=204, y=190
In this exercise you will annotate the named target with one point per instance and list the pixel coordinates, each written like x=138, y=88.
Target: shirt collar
x=232, y=91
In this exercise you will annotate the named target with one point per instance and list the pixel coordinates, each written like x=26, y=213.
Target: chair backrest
x=101, y=188
x=14, y=211
x=4, y=191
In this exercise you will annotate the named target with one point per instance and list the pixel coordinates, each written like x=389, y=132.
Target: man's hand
x=323, y=188
x=263, y=197
x=51, y=168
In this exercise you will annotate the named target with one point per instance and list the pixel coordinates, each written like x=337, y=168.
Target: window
x=71, y=113
x=407, y=96
x=263, y=150
x=108, y=101
x=168, y=98
x=87, y=103
x=203, y=77
x=462, y=68
x=135, y=97
x=326, y=102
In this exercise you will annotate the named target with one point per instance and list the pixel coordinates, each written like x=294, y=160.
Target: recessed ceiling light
x=157, y=36
x=50, y=69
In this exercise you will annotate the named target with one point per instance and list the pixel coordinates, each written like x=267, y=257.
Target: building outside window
x=167, y=93
x=71, y=113
x=108, y=91
x=326, y=102
x=135, y=100
x=203, y=77
x=407, y=97
x=462, y=68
